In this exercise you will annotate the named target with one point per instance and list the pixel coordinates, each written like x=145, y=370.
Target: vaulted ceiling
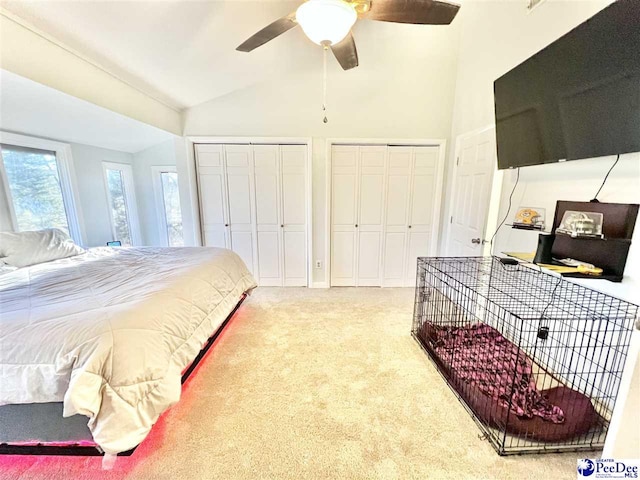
x=182, y=52
x=29, y=107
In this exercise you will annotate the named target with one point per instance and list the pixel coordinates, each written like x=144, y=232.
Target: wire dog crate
x=535, y=359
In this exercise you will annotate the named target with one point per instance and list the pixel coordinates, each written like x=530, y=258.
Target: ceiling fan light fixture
x=326, y=21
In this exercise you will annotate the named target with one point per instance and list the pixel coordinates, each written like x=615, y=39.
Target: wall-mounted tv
x=577, y=98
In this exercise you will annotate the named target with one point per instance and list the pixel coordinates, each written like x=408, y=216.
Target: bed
x=109, y=334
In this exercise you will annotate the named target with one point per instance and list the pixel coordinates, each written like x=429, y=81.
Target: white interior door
x=369, y=222
x=397, y=216
x=240, y=188
x=268, y=215
x=421, y=209
x=213, y=198
x=476, y=163
x=344, y=194
x=293, y=166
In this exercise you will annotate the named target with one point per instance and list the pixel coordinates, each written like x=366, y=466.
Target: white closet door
x=344, y=194
x=293, y=164
x=369, y=225
x=213, y=197
x=397, y=216
x=240, y=189
x=421, y=208
x=268, y=217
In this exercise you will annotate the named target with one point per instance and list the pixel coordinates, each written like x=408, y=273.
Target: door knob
x=226, y=224
x=409, y=226
x=281, y=226
x=475, y=240
x=356, y=225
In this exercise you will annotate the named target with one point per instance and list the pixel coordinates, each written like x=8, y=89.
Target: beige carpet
x=312, y=384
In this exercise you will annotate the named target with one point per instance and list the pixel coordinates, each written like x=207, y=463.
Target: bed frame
x=77, y=449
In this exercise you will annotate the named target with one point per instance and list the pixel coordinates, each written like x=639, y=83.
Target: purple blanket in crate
x=481, y=356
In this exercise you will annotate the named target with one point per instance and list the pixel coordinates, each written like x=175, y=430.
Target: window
x=36, y=176
x=122, y=203
x=172, y=212
x=168, y=206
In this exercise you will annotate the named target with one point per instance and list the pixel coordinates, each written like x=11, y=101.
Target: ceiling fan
x=328, y=22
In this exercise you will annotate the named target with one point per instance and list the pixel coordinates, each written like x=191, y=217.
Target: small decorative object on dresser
x=529, y=218
x=595, y=233
x=581, y=224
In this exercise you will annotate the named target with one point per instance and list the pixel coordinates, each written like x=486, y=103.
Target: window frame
x=66, y=172
x=158, y=194
x=129, y=197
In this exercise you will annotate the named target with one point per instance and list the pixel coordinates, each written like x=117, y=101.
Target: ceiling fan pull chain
x=324, y=83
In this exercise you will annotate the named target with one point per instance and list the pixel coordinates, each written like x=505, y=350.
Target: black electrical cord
x=595, y=198
x=508, y=210
x=543, y=330
x=553, y=295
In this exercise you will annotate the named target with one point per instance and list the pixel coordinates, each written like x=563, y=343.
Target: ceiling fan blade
x=346, y=53
x=419, y=12
x=269, y=32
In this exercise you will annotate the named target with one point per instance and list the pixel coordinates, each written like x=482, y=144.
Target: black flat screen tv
x=577, y=98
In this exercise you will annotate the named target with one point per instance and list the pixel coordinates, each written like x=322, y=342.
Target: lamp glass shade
x=326, y=20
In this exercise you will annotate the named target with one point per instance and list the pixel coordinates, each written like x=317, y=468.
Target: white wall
x=87, y=161
x=403, y=88
x=42, y=111
x=32, y=54
x=162, y=154
x=187, y=184
x=543, y=185
x=497, y=36
x=626, y=441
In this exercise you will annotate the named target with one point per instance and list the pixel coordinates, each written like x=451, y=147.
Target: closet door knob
x=356, y=225
x=226, y=224
x=409, y=226
x=281, y=226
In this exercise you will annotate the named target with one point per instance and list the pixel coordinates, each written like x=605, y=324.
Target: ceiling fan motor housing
x=361, y=6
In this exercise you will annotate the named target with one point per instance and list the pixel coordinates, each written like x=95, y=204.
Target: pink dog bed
x=496, y=380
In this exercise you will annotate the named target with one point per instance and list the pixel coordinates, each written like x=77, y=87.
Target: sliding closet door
x=241, y=199
x=213, y=197
x=369, y=223
x=268, y=221
x=293, y=164
x=344, y=194
x=423, y=179
x=397, y=216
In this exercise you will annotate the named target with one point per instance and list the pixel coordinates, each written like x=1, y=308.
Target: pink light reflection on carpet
x=42, y=466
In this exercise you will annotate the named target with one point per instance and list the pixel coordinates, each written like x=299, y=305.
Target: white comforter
x=109, y=332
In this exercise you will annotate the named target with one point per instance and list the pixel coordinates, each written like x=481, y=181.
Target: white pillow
x=21, y=249
x=4, y=268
